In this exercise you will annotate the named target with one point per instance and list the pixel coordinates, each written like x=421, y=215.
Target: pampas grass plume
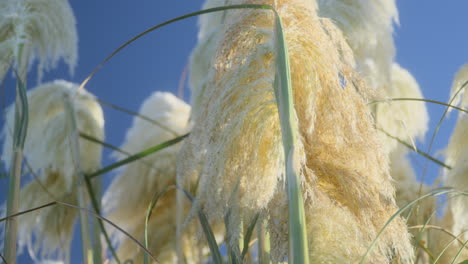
x=406, y=120
x=46, y=28
x=48, y=152
x=236, y=140
x=127, y=199
x=457, y=158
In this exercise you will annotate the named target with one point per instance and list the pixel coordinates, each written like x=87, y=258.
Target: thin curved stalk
x=216, y=254
x=137, y=156
x=19, y=137
x=420, y=100
x=86, y=210
x=399, y=211
x=87, y=249
x=420, y=152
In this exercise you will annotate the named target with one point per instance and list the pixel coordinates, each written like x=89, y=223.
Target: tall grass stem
x=20, y=131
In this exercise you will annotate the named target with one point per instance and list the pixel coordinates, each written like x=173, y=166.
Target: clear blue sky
x=431, y=43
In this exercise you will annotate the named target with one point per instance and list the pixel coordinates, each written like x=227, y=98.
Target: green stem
x=263, y=243
x=96, y=223
x=87, y=250
x=298, y=244
x=19, y=137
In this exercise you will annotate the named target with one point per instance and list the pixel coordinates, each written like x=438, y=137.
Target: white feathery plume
x=236, y=140
x=45, y=28
x=48, y=153
x=368, y=28
x=127, y=199
x=457, y=158
x=406, y=120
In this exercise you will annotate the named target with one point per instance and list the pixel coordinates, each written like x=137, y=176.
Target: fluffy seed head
x=46, y=28
x=236, y=140
x=406, y=120
x=47, y=151
x=460, y=79
x=127, y=199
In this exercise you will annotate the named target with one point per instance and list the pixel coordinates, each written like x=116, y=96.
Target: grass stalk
x=263, y=243
x=87, y=250
x=298, y=244
x=19, y=137
x=84, y=210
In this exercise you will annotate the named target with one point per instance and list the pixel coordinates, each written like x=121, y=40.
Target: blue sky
x=431, y=43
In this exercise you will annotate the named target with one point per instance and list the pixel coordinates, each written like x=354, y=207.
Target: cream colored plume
x=368, y=28
x=127, y=199
x=47, y=151
x=406, y=120
x=457, y=158
x=202, y=57
x=45, y=28
x=236, y=140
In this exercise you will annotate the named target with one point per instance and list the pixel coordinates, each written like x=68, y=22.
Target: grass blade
x=298, y=244
x=168, y=22
x=81, y=191
x=19, y=137
x=86, y=211
x=421, y=100
x=248, y=235
x=439, y=124
x=420, y=152
x=133, y=113
x=409, y=205
x=97, y=208
x=137, y=156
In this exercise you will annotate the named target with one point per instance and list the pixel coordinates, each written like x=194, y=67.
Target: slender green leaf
x=133, y=113
x=83, y=210
x=19, y=137
x=464, y=262
x=87, y=249
x=459, y=251
x=97, y=208
x=217, y=257
x=439, y=124
x=137, y=156
x=421, y=100
x=104, y=144
x=298, y=244
x=420, y=152
x=402, y=209
x=189, y=15
x=248, y=235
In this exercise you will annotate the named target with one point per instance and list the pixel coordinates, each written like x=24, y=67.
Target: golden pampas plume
x=46, y=30
x=235, y=146
x=128, y=197
x=202, y=57
x=48, y=154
